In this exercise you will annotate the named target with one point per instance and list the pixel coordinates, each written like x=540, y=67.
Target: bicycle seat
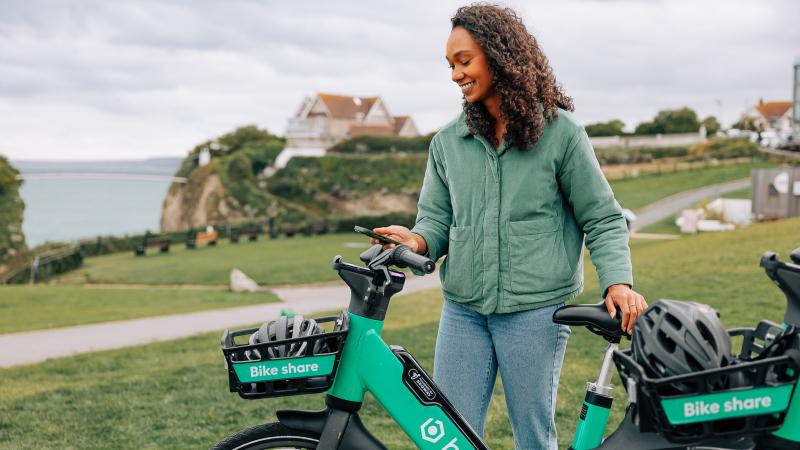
x=594, y=317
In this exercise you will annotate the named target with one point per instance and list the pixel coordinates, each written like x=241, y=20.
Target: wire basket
x=254, y=373
x=755, y=398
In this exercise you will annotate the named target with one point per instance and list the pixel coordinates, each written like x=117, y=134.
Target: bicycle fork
x=596, y=406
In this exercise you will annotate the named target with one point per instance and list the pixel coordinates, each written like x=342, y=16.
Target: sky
x=84, y=80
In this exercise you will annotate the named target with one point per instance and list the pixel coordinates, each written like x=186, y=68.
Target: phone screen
x=375, y=235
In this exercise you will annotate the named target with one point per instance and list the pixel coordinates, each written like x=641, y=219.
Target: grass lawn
x=174, y=394
x=285, y=261
x=634, y=193
x=746, y=193
x=269, y=262
x=663, y=226
x=25, y=308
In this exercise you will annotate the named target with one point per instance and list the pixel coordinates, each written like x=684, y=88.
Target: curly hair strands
x=520, y=72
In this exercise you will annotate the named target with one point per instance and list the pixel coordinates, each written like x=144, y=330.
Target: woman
x=512, y=190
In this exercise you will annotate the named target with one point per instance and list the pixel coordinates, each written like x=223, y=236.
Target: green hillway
x=175, y=394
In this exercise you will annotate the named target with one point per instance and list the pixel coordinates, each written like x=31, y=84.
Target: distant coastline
x=70, y=209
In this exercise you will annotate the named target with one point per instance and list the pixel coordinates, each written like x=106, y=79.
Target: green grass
x=663, y=226
x=634, y=193
x=174, y=394
x=746, y=193
x=269, y=262
x=286, y=261
x=25, y=308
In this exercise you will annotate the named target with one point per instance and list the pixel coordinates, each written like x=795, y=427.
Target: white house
x=327, y=119
x=772, y=116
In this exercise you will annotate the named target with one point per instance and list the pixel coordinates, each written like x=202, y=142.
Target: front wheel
x=271, y=435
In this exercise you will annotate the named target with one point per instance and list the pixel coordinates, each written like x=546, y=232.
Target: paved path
x=674, y=204
x=36, y=346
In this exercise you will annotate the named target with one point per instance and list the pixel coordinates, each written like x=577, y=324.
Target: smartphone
x=375, y=235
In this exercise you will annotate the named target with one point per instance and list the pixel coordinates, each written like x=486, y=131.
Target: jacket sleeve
x=434, y=210
x=597, y=212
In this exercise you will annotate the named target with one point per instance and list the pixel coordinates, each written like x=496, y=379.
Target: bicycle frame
x=417, y=405
x=402, y=387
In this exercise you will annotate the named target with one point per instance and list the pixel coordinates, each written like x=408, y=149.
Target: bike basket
x=253, y=373
x=755, y=398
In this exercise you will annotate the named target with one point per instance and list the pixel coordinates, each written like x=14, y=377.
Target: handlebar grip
x=404, y=256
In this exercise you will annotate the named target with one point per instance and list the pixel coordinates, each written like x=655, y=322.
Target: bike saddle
x=594, y=317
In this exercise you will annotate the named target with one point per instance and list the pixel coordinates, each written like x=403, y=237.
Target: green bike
x=350, y=359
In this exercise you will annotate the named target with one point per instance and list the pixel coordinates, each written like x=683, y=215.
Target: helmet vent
x=673, y=321
x=693, y=363
x=708, y=337
x=666, y=343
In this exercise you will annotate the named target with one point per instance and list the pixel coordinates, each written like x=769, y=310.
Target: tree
x=682, y=120
x=670, y=121
x=747, y=123
x=647, y=128
x=712, y=125
x=611, y=128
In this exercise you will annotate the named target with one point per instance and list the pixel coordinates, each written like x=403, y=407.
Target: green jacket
x=512, y=223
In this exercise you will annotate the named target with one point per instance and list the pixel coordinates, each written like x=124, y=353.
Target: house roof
x=371, y=130
x=773, y=110
x=345, y=106
x=399, y=123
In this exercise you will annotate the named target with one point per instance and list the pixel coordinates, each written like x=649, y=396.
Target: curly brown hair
x=520, y=72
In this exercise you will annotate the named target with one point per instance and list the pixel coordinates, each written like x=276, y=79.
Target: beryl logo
x=432, y=430
x=726, y=405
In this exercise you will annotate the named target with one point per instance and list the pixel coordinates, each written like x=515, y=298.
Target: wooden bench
x=161, y=243
x=202, y=237
x=251, y=233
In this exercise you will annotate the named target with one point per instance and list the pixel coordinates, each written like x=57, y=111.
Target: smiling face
x=469, y=66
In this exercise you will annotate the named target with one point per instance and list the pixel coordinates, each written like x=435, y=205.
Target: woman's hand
x=402, y=235
x=630, y=302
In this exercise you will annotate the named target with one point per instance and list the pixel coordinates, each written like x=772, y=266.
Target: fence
x=47, y=264
x=658, y=167
x=658, y=140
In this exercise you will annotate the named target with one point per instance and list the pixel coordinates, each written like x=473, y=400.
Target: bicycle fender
x=355, y=436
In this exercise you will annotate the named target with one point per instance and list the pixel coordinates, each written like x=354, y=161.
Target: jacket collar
x=461, y=125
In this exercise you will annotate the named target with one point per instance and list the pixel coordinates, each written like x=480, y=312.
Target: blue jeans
x=527, y=348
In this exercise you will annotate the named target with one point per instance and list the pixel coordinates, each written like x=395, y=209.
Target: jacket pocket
x=458, y=277
x=537, y=258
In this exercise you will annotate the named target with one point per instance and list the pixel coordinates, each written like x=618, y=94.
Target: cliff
x=235, y=187
x=12, y=240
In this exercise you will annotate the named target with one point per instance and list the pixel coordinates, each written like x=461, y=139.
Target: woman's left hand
x=630, y=302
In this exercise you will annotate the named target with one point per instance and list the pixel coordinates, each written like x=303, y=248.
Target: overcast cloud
x=113, y=80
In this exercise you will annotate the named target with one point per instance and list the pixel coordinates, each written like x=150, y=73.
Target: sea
x=71, y=200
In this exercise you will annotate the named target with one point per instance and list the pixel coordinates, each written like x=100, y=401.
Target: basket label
x=728, y=404
x=283, y=369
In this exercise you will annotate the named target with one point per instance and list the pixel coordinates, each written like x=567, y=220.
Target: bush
x=12, y=241
x=724, y=148
x=639, y=155
x=384, y=144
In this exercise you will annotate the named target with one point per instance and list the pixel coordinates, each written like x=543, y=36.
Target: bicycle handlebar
x=404, y=256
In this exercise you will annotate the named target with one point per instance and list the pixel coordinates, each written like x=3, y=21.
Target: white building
x=327, y=119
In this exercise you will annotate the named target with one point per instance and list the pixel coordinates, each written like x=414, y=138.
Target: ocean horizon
x=69, y=209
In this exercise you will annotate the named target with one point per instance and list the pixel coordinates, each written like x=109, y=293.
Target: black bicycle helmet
x=675, y=338
x=286, y=328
